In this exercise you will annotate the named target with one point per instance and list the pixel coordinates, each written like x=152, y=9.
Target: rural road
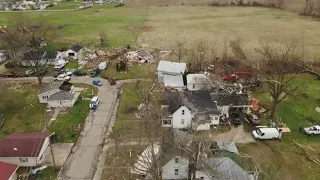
x=85, y=155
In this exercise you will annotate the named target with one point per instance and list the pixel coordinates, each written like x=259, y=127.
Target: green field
x=66, y=5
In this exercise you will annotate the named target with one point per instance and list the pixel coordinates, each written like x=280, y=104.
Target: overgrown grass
x=21, y=109
x=84, y=26
x=63, y=126
x=136, y=71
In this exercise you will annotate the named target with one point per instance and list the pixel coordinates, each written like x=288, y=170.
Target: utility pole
x=53, y=160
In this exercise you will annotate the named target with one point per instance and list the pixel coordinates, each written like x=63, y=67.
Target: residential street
x=84, y=157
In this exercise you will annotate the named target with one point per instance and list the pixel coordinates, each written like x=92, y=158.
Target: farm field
x=220, y=24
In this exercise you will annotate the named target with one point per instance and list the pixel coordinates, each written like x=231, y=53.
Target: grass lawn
x=21, y=109
x=118, y=162
x=285, y=158
x=63, y=125
x=217, y=24
x=88, y=91
x=72, y=65
x=84, y=26
x=47, y=174
x=136, y=71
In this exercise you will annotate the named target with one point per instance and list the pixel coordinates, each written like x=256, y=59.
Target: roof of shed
x=6, y=170
x=61, y=95
x=22, y=144
x=173, y=81
x=197, y=78
x=224, y=168
x=172, y=67
x=76, y=48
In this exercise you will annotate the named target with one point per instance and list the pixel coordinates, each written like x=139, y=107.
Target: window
x=182, y=121
x=216, y=118
x=193, y=86
x=44, y=97
x=23, y=159
x=176, y=171
x=183, y=112
x=167, y=122
x=201, y=178
x=176, y=160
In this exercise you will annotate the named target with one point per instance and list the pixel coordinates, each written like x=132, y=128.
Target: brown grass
x=219, y=24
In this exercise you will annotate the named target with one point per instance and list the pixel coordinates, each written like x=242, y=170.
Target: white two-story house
x=186, y=110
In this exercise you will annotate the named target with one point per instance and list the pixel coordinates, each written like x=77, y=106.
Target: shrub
x=10, y=65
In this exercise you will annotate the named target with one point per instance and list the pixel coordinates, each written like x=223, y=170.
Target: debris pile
x=255, y=103
x=139, y=57
x=93, y=58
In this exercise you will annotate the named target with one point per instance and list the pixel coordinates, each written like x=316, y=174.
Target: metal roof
x=7, y=170
x=228, y=146
x=224, y=169
x=173, y=81
x=172, y=67
x=51, y=87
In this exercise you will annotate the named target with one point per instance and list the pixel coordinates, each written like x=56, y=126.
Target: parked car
x=236, y=118
x=97, y=82
x=70, y=71
x=79, y=73
x=94, y=102
x=60, y=64
x=312, y=130
x=10, y=75
x=253, y=118
x=95, y=72
x=267, y=133
x=29, y=72
x=62, y=77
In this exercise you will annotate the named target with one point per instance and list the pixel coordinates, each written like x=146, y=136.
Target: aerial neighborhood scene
x=159, y=89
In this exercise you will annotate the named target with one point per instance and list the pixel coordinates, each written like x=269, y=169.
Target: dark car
x=79, y=73
x=253, y=118
x=236, y=118
x=95, y=72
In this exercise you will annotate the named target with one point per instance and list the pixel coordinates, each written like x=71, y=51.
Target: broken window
x=176, y=160
x=23, y=159
x=167, y=122
x=183, y=112
x=176, y=171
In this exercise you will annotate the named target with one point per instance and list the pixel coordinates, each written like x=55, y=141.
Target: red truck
x=238, y=75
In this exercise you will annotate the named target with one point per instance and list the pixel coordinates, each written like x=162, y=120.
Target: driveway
x=236, y=135
x=83, y=160
x=61, y=152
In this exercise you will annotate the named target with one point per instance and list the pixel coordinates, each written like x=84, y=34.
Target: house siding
x=168, y=170
x=16, y=160
x=43, y=149
x=195, y=86
x=13, y=176
x=60, y=103
x=180, y=120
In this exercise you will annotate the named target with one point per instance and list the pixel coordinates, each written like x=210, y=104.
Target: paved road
x=84, y=158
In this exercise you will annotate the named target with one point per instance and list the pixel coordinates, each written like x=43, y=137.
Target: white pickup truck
x=62, y=77
x=312, y=130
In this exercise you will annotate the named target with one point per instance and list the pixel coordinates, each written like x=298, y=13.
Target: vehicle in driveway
x=312, y=130
x=60, y=64
x=95, y=72
x=29, y=72
x=267, y=133
x=236, y=118
x=62, y=77
x=253, y=118
x=94, y=102
x=79, y=73
x=97, y=82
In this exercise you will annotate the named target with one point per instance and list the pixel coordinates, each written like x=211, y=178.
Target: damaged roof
x=224, y=99
x=62, y=85
x=172, y=67
x=76, y=48
x=61, y=95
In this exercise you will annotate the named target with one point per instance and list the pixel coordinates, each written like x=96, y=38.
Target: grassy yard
x=47, y=174
x=72, y=65
x=63, y=126
x=21, y=109
x=88, y=91
x=84, y=26
x=216, y=25
x=136, y=71
x=66, y=5
x=285, y=158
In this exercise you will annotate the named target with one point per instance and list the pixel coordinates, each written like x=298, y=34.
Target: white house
x=75, y=52
x=46, y=58
x=196, y=82
x=58, y=94
x=8, y=171
x=208, y=168
x=187, y=110
x=24, y=149
x=171, y=73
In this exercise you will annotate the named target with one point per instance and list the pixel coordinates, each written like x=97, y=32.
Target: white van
x=94, y=102
x=267, y=133
x=60, y=64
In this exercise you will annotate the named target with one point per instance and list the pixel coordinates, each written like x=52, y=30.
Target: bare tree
x=179, y=49
x=278, y=69
x=236, y=48
x=307, y=67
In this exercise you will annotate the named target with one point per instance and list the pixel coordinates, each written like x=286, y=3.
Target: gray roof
x=182, y=137
x=172, y=67
x=61, y=95
x=51, y=87
x=230, y=99
x=77, y=47
x=223, y=169
x=228, y=146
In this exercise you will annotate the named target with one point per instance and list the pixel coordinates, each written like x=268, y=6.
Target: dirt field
x=290, y=5
x=219, y=24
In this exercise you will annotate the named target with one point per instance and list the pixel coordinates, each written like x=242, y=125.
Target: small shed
x=228, y=146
